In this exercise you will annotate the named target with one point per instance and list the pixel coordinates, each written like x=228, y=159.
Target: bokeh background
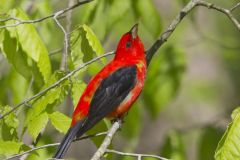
x=192, y=84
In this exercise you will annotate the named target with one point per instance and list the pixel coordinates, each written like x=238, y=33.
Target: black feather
x=112, y=91
x=109, y=95
x=68, y=138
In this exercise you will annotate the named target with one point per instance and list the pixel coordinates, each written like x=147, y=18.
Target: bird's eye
x=128, y=44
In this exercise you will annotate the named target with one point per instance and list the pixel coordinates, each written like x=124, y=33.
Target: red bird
x=112, y=91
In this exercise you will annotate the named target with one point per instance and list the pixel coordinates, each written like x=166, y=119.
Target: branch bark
x=107, y=141
x=139, y=156
x=19, y=21
x=53, y=145
x=149, y=54
x=63, y=65
x=227, y=12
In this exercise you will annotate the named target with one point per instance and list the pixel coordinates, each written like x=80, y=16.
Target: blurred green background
x=192, y=84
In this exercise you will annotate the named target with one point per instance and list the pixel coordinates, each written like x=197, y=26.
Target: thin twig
x=165, y=35
x=54, y=144
x=227, y=12
x=10, y=18
x=150, y=52
x=69, y=17
x=102, y=149
x=158, y=43
x=79, y=3
x=63, y=65
x=234, y=7
x=56, y=83
x=139, y=156
x=187, y=9
x=55, y=51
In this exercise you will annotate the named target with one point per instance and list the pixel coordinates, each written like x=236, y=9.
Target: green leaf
x=8, y=125
x=15, y=80
x=31, y=43
x=173, y=147
x=163, y=79
x=16, y=56
x=43, y=103
x=208, y=143
x=2, y=32
x=4, y=83
x=8, y=148
x=148, y=14
x=229, y=145
x=60, y=121
x=235, y=112
x=48, y=100
x=84, y=45
x=11, y=120
x=37, y=125
x=93, y=42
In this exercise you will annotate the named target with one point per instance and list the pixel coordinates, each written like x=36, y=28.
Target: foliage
x=28, y=54
x=164, y=77
x=28, y=66
x=210, y=137
x=173, y=147
x=228, y=147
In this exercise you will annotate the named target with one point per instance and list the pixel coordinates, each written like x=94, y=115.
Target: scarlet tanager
x=112, y=91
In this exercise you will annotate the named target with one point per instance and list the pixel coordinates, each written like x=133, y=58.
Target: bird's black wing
x=110, y=93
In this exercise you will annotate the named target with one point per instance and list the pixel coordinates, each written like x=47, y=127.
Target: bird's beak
x=134, y=31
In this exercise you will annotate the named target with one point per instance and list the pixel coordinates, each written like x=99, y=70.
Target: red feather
x=130, y=52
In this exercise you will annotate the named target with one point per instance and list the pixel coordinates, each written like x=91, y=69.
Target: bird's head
x=130, y=45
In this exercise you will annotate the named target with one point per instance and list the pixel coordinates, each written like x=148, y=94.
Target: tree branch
x=234, y=7
x=53, y=145
x=102, y=149
x=63, y=65
x=187, y=9
x=58, y=13
x=227, y=12
x=139, y=156
x=56, y=83
x=149, y=53
x=165, y=35
x=55, y=51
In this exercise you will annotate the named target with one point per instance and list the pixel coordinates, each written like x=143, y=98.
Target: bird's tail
x=71, y=134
